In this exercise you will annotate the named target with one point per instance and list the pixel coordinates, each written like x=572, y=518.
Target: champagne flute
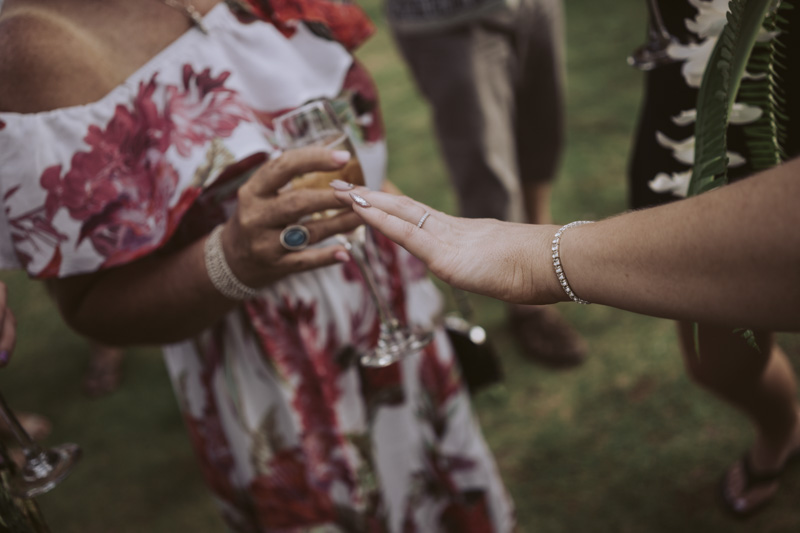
x=653, y=53
x=43, y=468
x=317, y=124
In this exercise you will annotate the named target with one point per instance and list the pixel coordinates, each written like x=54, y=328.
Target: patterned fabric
x=291, y=434
x=664, y=150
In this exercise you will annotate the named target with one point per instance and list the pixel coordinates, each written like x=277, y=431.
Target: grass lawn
x=623, y=444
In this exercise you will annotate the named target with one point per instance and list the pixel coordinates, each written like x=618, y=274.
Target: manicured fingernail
x=4, y=357
x=341, y=185
x=360, y=200
x=342, y=256
x=341, y=156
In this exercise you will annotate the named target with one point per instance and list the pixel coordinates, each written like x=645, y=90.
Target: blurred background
x=623, y=443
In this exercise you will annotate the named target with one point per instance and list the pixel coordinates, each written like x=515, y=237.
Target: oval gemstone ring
x=295, y=237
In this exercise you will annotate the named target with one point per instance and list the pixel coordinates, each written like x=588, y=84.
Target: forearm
x=155, y=300
x=731, y=256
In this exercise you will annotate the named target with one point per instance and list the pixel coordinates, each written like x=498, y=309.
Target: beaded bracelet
x=221, y=275
x=562, y=277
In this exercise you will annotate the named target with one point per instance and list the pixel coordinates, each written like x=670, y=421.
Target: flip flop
x=752, y=480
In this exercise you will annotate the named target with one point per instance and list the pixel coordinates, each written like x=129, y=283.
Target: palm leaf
x=721, y=81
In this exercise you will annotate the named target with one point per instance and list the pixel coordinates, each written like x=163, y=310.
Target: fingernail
x=341, y=156
x=276, y=154
x=342, y=256
x=4, y=357
x=341, y=185
x=360, y=200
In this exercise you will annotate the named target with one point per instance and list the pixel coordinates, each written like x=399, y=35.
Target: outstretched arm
x=729, y=257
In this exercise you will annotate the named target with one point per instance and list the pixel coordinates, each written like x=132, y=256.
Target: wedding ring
x=295, y=237
x=423, y=218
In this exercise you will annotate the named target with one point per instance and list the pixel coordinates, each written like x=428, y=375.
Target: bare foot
x=105, y=371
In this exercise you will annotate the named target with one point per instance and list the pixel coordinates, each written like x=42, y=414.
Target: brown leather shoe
x=545, y=337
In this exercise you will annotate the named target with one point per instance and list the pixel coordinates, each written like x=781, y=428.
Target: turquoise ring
x=295, y=237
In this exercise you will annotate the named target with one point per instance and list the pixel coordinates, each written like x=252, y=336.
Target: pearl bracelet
x=220, y=274
x=562, y=277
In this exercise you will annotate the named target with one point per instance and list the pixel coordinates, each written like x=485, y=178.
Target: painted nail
x=341, y=156
x=342, y=256
x=4, y=357
x=341, y=185
x=360, y=200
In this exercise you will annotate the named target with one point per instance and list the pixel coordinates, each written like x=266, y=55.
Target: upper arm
x=45, y=63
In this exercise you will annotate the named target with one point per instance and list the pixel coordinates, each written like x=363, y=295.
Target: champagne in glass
x=316, y=124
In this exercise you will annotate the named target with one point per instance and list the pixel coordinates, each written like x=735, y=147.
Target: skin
x=726, y=259
x=73, y=52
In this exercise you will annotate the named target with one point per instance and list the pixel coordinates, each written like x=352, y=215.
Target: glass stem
x=358, y=252
x=29, y=447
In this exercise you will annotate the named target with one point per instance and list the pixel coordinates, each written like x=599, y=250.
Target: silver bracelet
x=221, y=275
x=562, y=277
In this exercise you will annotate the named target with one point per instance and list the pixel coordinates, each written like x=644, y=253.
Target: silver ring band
x=295, y=237
x=423, y=218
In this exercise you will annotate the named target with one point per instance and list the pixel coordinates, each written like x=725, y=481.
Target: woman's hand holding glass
x=316, y=124
x=251, y=237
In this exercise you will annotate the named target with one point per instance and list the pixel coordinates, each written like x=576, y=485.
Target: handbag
x=480, y=366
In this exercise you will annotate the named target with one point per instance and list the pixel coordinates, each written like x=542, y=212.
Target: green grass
x=623, y=444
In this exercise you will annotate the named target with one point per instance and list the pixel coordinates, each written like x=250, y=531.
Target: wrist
x=561, y=267
x=227, y=281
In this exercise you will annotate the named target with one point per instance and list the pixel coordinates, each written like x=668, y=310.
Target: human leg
x=464, y=74
x=539, y=135
x=104, y=373
x=540, y=102
x=762, y=386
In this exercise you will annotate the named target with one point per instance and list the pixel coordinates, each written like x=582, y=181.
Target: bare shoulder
x=46, y=62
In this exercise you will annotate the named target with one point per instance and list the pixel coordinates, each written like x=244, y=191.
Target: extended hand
x=499, y=259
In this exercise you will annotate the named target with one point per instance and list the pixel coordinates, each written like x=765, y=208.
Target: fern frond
x=766, y=137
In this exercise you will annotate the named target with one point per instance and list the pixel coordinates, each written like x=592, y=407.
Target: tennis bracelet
x=562, y=277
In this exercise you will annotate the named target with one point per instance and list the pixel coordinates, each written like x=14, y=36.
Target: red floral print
x=201, y=110
x=364, y=99
x=290, y=336
x=341, y=20
x=122, y=187
x=468, y=514
x=207, y=433
x=286, y=497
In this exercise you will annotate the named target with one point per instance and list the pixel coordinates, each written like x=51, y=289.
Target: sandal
x=751, y=480
x=544, y=336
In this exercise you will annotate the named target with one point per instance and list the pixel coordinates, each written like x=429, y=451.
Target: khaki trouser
x=495, y=85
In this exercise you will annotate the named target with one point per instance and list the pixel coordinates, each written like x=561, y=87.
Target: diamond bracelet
x=562, y=277
x=221, y=275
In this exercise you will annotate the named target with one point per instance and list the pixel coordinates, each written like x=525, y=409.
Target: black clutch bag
x=479, y=363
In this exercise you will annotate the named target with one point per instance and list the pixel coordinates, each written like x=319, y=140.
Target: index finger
x=279, y=170
x=389, y=214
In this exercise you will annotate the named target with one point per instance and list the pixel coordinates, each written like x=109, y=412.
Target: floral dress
x=663, y=152
x=290, y=432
